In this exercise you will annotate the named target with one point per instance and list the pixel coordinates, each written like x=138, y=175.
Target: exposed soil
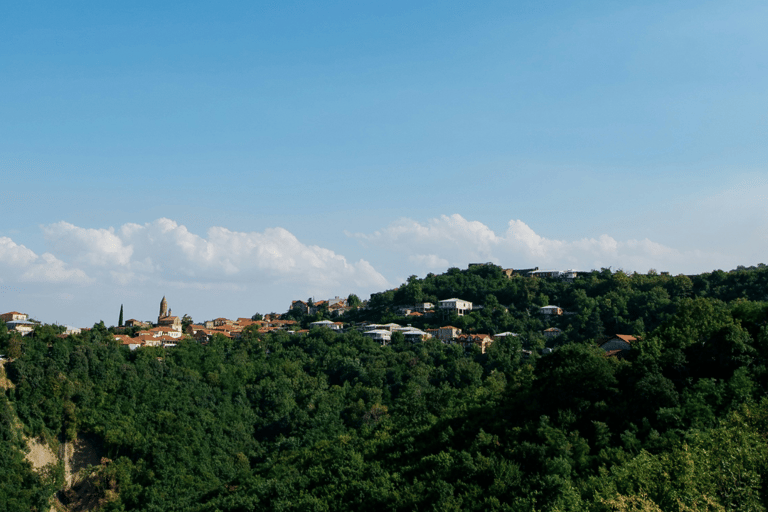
x=40, y=454
x=85, y=488
x=5, y=383
x=78, y=455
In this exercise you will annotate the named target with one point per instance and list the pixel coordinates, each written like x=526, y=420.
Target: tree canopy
x=335, y=421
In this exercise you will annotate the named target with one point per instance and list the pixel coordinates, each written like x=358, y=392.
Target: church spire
x=163, y=308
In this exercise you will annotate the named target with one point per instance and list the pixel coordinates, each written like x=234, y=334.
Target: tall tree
x=186, y=321
x=353, y=300
x=120, y=321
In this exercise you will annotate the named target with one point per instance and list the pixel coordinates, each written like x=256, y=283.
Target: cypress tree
x=120, y=321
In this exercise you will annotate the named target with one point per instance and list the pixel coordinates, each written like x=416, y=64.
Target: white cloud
x=233, y=273
x=474, y=239
x=15, y=255
x=453, y=240
x=22, y=264
x=98, y=247
x=164, y=249
x=430, y=261
x=49, y=269
x=221, y=273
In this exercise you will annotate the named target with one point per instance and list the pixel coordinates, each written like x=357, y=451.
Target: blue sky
x=367, y=142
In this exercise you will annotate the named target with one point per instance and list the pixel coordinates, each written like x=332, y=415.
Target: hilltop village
x=417, y=321
x=445, y=393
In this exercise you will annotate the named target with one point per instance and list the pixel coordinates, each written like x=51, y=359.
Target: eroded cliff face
x=80, y=455
x=87, y=488
x=5, y=383
x=78, y=466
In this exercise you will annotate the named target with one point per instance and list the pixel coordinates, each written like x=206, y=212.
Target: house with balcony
x=336, y=326
x=22, y=327
x=414, y=335
x=551, y=310
x=383, y=336
x=423, y=307
x=569, y=274
x=458, y=306
x=14, y=316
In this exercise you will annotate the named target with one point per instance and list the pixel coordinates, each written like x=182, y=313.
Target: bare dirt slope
x=40, y=454
x=85, y=488
x=78, y=455
x=5, y=383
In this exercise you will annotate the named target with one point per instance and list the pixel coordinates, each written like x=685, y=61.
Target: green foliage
x=353, y=301
x=332, y=421
x=21, y=489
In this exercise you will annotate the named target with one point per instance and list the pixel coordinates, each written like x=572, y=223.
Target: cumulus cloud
x=22, y=264
x=49, y=269
x=99, y=247
x=164, y=249
x=454, y=240
x=227, y=273
x=14, y=255
x=217, y=273
x=432, y=261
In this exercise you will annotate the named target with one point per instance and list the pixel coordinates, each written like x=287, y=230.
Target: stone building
x=166, y=318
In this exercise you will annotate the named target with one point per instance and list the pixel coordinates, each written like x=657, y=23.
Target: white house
x=421, y=307
x=158, y=332
x=336, y=326
x=551, y=310
x=383, y=336
x=545, y=273
x=14, y=316
x=23, y=327
x=413, y=335
x=131, y=343
x=458, y=306
x=562, y=274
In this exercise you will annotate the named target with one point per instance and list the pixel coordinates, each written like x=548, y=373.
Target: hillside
x=335, y=421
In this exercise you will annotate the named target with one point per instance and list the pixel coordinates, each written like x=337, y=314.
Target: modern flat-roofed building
x=23, y=327
x=383, y=336
x=458, y=306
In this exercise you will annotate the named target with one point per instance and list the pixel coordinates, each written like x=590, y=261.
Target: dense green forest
x=333, y=421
